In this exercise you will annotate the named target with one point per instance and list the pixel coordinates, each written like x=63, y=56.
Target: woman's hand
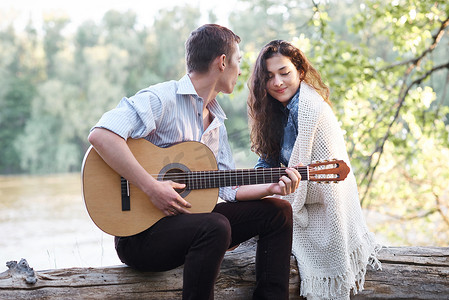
x=287, y=184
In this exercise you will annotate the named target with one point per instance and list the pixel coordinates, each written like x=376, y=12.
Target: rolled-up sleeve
x=133, y=117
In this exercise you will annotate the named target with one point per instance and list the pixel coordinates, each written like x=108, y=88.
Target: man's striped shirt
x=169, y=113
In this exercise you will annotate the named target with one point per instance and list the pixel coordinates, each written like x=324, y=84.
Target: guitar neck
x=221, y=178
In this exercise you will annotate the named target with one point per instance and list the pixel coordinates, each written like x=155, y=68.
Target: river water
x=43, y=219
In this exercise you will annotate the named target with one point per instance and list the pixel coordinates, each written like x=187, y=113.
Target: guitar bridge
x=126, y=203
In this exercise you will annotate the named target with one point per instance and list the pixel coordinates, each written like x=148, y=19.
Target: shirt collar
x=216, y=109
x=291, y=104
x=185, y=87
x=294, y=100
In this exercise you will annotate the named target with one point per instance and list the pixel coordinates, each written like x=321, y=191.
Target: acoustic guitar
x=121, y=209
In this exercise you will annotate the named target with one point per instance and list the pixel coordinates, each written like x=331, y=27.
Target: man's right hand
x=164, y=197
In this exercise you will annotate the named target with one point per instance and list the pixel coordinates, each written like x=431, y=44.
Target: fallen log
x=407, y=273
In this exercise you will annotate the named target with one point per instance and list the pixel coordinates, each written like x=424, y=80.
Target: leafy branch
x=415, y=61
x=403, y=93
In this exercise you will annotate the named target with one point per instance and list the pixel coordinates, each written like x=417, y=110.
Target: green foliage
x=389, y=96
x=170, y=30
x=56, y=87
x=14, y=113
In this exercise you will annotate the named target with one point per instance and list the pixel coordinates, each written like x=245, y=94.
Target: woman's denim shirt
x=290, y=123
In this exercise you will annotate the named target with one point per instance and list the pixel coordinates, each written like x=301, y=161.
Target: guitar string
x=201, y=181
x=223, y=175
x=203, y=178
x=198, y=179
x=234, y=173
x=231, y=174
x=213, y=174
x=237, y=172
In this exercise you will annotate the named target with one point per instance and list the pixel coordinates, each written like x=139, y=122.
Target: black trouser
x=199, y=241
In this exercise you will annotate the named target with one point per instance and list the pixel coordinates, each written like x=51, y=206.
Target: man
x=177, y=111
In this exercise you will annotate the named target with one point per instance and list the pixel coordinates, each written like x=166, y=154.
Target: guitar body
x=102, y=188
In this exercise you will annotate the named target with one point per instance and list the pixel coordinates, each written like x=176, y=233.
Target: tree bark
x=407, y=273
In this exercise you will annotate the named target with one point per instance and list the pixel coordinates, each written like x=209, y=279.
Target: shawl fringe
x=315, y=287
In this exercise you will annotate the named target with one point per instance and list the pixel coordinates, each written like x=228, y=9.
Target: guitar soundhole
x=177, y=173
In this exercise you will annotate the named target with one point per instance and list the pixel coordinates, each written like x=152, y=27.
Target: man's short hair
x=207, y=43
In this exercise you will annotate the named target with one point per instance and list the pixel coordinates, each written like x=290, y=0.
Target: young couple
x=291, y=124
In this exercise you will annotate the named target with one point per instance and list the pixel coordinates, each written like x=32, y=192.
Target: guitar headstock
x=328, y=171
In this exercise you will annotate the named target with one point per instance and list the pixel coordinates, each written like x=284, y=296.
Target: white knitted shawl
x=331, y=241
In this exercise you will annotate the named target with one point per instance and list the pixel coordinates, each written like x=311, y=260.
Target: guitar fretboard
x=221, y=178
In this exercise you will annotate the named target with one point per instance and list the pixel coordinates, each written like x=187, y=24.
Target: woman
x=292, y=122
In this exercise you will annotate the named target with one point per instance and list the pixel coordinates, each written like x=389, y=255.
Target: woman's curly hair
x=264, y=112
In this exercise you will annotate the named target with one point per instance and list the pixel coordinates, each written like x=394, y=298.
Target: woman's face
x=283, y=82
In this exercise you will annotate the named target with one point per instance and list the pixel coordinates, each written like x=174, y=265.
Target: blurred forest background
x=386, y=63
